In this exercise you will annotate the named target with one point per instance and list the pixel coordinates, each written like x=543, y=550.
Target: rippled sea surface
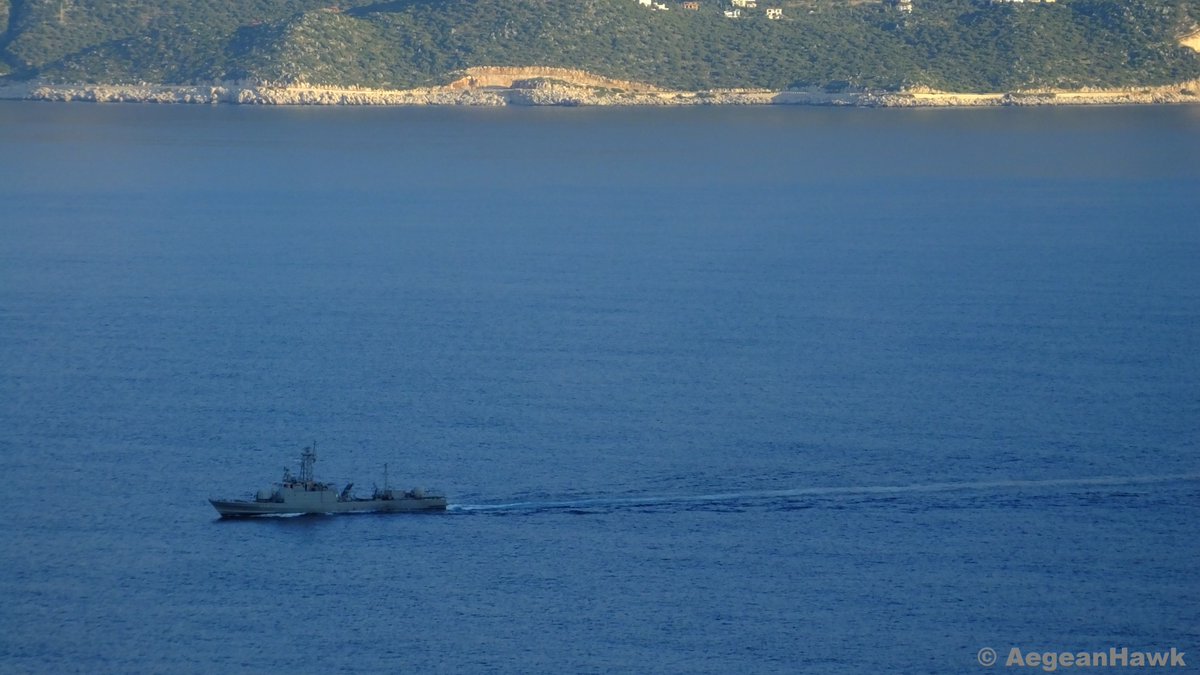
x=754, y=390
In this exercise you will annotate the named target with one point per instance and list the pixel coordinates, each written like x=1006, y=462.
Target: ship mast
x=306, y=463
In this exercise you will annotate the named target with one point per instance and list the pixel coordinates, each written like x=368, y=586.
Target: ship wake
x=759, y=496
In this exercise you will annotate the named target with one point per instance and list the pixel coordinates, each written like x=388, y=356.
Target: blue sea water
x=756, y=390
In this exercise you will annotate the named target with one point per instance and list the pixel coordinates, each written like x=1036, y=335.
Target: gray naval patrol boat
x=303, y=494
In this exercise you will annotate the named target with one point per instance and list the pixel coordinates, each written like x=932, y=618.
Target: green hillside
x=962, y=45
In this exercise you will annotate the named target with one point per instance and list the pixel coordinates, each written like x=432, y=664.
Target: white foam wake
x=758, y=495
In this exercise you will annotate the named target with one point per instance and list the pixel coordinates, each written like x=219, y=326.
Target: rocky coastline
x=490, y=87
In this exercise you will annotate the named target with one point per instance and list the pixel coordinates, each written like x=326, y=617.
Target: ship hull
x=248, y=509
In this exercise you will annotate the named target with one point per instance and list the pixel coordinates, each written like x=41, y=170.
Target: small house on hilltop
x=692, y=5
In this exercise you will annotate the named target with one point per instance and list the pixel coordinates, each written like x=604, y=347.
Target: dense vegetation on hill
x=962, y=45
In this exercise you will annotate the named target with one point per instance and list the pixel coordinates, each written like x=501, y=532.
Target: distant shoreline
x=483, y=88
